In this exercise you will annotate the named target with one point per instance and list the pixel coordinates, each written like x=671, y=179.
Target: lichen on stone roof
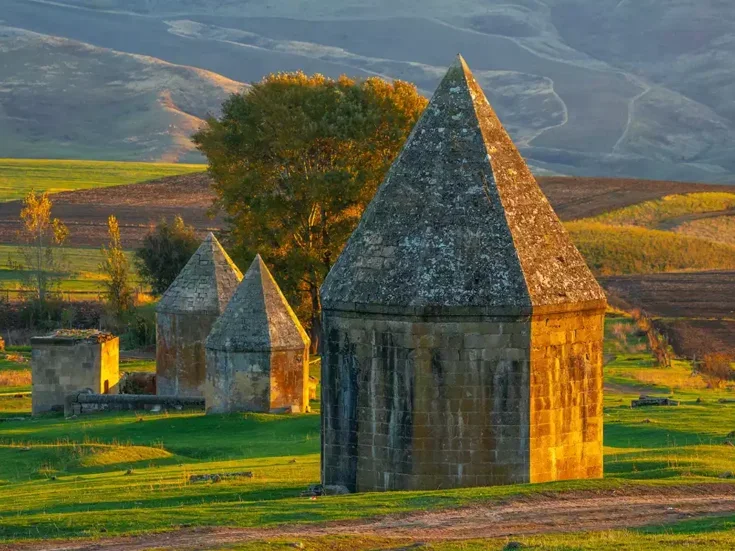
x=205, y=284
x=459, y=222
x=258, y=317
x=77, y=335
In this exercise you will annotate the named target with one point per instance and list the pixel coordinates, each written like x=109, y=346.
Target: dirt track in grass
x=536, y=514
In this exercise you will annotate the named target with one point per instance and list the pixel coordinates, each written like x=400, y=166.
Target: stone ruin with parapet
x=70, y=361
x=257, y=352
x=185, y=315
x=462, y=328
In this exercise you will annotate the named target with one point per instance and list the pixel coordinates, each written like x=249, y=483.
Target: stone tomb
x=70, y=361
x=463, y=329
x=257, y=352
x=184, y=318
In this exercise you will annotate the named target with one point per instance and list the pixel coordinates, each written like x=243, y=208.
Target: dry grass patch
x=15, y=378
x=618, y=250
x=651, y=213
x=720, y=228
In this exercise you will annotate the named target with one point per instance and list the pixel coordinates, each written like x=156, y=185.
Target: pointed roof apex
x=205, y=284
x=258, y=317
x=459, y=223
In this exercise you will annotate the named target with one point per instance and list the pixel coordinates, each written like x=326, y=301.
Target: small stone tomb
x=257, y=352
x=69, y=361
x=184, y=318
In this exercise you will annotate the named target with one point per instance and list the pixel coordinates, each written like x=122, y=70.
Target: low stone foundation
x=80, y=403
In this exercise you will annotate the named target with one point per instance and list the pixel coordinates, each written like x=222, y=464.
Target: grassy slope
x=632, y=239
x=19, y=176
x=614, y=250
x=650, y=214
x=44, y=491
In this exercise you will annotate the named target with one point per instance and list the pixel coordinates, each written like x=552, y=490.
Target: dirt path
x=540, y=513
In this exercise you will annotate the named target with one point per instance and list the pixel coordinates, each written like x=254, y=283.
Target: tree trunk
x=316, y=322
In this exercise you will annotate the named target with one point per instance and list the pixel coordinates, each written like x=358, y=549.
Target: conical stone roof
x=258, y=317
x=205, y=284
x=459, y=224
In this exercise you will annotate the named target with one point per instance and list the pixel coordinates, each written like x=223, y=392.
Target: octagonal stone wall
x=420, y=405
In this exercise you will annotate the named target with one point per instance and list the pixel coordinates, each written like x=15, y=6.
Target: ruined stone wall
x=566, y=395
x=180, y=353
x=424, y=405
x=256, y=381
x=80, y=403
x=62, y=366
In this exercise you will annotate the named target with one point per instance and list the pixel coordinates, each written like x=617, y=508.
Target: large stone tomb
x=463, y=329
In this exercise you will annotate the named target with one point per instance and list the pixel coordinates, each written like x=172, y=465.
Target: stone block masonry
x=463, y=329
x=71, y=361
x=419, y=404
x=80, y=403
x=258, y=352
x=566, y=396
x=185, y=315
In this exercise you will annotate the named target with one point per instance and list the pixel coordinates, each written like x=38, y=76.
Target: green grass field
x=19, y=176
x=82, y=278
x=70, y=478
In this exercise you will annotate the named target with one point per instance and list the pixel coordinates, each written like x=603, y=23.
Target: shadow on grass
x=652, y=435
x=723, y=523
x=194, y=436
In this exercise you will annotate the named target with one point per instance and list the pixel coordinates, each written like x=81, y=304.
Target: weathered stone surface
x=459, y=222
x=79, y=403
x=70, y=361
x=463, y=330
x=257, y=352
x=185, y=315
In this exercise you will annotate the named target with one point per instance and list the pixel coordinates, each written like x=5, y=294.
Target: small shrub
x=716, y=369
x=165, y=251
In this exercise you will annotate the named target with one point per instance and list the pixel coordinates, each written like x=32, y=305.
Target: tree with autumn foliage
x=295, y=161
x=116, y=267
x=41, y=238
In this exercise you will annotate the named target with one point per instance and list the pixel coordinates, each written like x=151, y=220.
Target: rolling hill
x=64, y=99
x=586, y=88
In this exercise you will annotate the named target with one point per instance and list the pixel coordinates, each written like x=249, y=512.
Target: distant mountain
x=640, y=88
x=64, y=99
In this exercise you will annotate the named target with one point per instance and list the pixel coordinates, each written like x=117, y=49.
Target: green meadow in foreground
x=126, y=473
x=19, y=176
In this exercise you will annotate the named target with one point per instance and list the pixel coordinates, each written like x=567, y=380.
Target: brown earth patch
x=705, y=295
x=137, y=206
x=575, y=198
x=693, y=338
x=536, y=514
x=696, y=309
